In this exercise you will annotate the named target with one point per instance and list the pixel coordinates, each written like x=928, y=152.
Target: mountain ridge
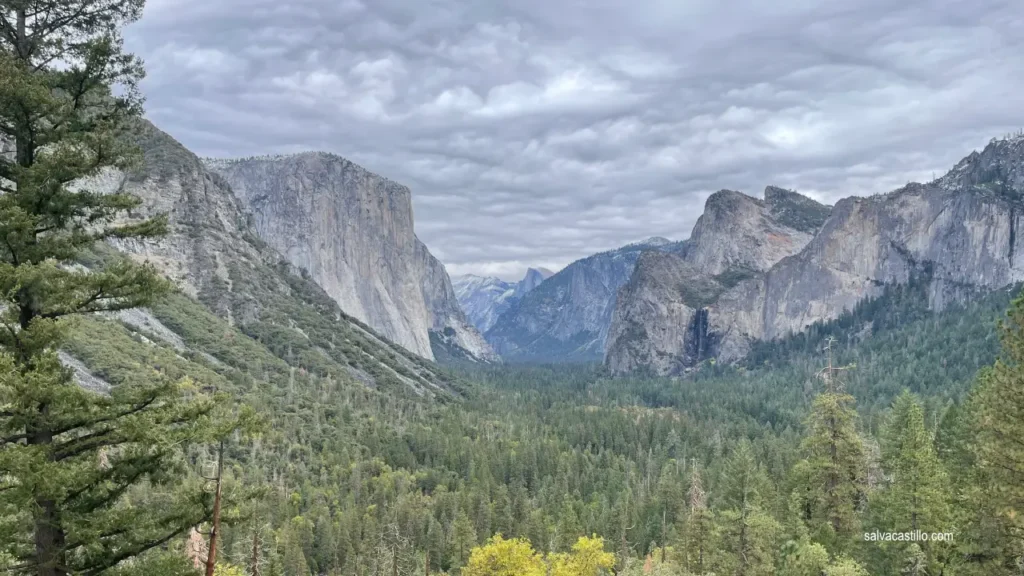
x=567, y=316
x=485, y=298
x=959, y=229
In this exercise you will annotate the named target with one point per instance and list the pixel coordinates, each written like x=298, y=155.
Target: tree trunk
x=49, y=535
x=255, y=560
x=211, y=558
x=24, y=151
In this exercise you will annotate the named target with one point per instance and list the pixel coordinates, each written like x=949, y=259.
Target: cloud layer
x=537, y=132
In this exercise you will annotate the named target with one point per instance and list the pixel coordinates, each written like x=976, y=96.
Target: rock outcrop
x=352, y=231
x=960, y=231
x=662, y=320
x=485, y=299
x=213, y=253
x=568, y=315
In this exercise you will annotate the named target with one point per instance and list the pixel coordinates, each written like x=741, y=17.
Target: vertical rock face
x=213, y=253
x=209, y=230
x=449, y=327
x=533, y=278
x=960, y=231
x=738, y=232
x=484, y=300
x=662, y=322
x=353, y=232
x=568, y=315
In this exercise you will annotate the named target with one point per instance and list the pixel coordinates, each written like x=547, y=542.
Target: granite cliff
x=959, y=232
x=352, y=232
x=661, y=320
x=214, y=254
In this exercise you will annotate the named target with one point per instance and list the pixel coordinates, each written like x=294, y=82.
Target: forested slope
x=353, y=473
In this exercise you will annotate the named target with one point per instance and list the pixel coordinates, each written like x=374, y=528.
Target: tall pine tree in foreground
x=996, y=499
x=748, y=532
x=832, y=472
x=917, y=492
x=69, y=457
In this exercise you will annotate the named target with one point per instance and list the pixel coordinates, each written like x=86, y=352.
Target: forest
x=245, y=450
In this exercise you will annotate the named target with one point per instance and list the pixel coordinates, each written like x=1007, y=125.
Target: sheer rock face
x=663, y=320
x=209, y=231
x=568, y=315
x=212, y=252
x=353, y=232
x=960, y=230
x=737, y=231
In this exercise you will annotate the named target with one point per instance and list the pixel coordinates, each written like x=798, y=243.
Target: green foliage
x=833, y=471
x=748, y=531
x=90, y=479
x=917, y=493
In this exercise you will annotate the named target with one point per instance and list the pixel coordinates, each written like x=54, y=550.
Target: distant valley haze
x=538, y=132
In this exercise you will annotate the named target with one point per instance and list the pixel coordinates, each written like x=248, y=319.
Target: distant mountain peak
x=653, y=242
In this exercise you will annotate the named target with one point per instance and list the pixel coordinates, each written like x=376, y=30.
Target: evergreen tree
x=748, y=532
x=833, y=467
x=916, y=496
x=991, y=455
x=69, y=456
x=569, y=529
x=699, y=532
x=1000, y=416
x=461, y=541
x=803, y=559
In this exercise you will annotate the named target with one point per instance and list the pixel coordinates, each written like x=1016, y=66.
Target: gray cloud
x=537, y=132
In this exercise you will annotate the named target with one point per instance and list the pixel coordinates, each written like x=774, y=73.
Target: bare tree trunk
x=211, y=558
x=255, y=559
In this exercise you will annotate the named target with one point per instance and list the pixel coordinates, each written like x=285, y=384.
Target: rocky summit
x=760, y=270
x=352, y=232
x=660, y=320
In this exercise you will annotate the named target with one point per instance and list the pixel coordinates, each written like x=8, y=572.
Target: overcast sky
x=537, y=132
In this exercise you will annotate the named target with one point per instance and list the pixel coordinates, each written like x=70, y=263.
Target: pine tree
x=461, y=541
x=916, y=495
x=1000, y=414
x=68, y=455
x=833, y=467
x=803, y=558
x=993, y=488
x=748, y=532
x=699, y=533
x=569, y=530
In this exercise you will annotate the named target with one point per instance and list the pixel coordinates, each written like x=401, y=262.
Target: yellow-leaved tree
x=587, y=558
x=501, y=557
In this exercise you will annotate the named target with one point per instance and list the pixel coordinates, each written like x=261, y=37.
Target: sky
x=537, y=132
